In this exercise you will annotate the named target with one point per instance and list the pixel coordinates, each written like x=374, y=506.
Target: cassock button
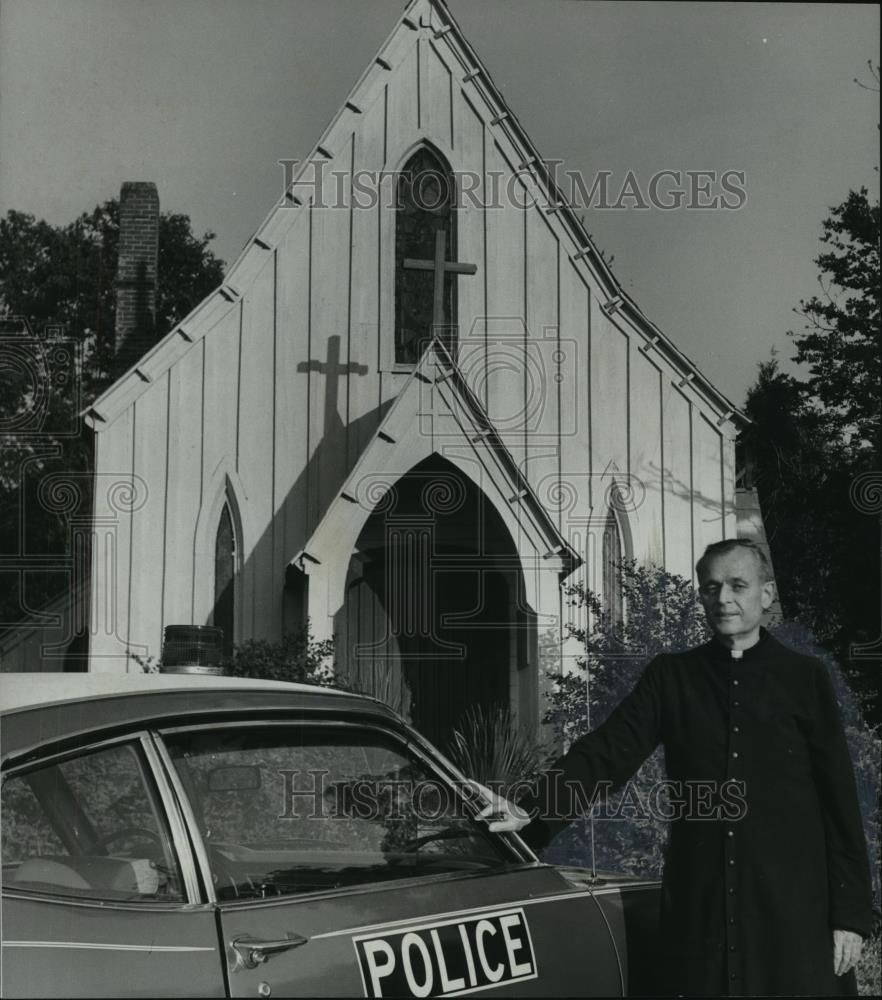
x=734, y=753
x=731, y=975
x=736, y=703
x=735, y=682
x=730, y=833
x=731, y=947
x=731, y=920
x=731, y=892
x=736, y=729
x=731, y=861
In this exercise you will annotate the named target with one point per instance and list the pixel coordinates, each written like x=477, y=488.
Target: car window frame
x=512, y=847
x=170, y=815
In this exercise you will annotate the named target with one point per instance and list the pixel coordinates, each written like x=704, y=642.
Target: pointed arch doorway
x=434, y=620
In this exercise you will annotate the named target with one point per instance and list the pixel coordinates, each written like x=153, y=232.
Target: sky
x=204, y=97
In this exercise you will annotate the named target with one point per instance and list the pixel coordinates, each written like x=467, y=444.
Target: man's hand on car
x=501, y=815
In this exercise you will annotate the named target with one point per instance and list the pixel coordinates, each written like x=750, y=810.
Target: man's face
x=734, y=595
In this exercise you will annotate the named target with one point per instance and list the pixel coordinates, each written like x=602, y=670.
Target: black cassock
x=748, y=904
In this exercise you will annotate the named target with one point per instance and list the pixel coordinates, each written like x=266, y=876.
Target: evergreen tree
x=811, y=437
x=842, y=343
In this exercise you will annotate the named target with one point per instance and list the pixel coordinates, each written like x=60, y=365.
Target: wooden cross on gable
x=441, y=267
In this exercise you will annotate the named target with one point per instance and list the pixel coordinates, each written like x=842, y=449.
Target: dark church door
x=463, y=660
x=431, y=602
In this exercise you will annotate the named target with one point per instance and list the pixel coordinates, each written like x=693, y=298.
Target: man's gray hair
x=730, y=545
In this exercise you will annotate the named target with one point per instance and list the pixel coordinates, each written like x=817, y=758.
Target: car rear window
x=88, y=826
x=292, y=809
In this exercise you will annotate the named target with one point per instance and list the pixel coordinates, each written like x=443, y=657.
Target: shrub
x=663, y=613
x=488, y=745
x=297, y=657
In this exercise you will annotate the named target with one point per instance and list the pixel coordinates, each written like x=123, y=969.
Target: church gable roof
x=436, y=413
x=430, y=19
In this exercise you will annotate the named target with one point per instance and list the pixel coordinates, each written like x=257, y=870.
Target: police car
x=172, y=835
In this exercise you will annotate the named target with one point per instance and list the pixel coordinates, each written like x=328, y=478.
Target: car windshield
x=290, y=809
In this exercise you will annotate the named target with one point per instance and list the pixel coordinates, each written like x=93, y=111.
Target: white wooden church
x=410, y=415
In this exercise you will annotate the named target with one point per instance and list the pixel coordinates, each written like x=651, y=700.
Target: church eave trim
x=563, y=212
x=126, y=390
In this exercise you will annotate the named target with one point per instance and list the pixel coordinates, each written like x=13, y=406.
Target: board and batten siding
x=645, y=422
x=677, y=416
x=277, y=383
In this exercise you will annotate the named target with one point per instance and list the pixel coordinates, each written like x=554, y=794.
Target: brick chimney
x=136, y=273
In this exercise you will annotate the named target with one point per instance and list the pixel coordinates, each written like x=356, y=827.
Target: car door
x=344, y=863
x=100, y=894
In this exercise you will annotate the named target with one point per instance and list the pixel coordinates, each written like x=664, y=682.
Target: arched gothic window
x=613, y=596
x=225, y=556
x=425, y=256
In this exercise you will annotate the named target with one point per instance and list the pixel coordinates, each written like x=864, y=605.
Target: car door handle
x=251, y=951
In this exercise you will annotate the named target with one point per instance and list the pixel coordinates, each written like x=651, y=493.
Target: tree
x=812, y=436
x=842, y=344
x=63, y=277
x=60, y=279
x=792, y=456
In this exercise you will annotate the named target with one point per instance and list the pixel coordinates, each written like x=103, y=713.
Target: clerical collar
x=756, y=651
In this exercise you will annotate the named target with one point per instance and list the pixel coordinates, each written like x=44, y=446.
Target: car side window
x=292, y=809
x=88, y=826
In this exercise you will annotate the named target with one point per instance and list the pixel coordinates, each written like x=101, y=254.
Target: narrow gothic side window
x=426, y=193
x=225, y=577
x=612, y=571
